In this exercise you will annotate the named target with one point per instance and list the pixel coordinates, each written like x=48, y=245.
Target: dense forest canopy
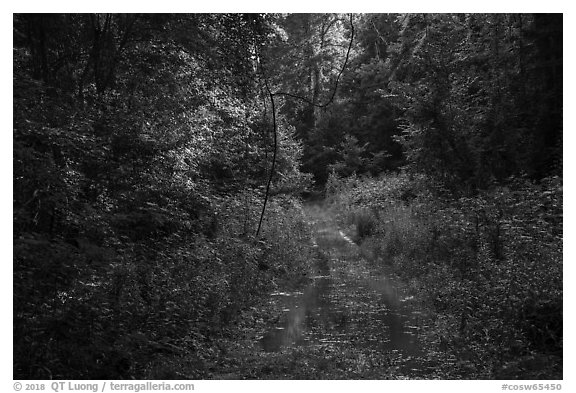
x=160, y=161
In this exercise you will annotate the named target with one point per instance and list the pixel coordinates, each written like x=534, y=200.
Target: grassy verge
x=150, y=308
x=488, y=268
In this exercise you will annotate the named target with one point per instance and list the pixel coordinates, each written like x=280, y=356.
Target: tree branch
x=273, y=109
x=337, y=78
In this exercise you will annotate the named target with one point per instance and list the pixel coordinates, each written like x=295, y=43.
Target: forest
x=287, y=196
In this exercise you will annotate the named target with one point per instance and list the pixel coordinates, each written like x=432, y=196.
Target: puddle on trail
x=346, y=304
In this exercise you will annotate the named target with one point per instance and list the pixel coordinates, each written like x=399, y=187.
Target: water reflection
x=299, y=306
x=346, y=304
x=345, y=307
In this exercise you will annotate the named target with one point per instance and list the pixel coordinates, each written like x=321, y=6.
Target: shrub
x=489, y=266
x=287, y=233
x=366, y=223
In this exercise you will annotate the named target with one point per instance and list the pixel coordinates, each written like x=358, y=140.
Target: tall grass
x=489, y=267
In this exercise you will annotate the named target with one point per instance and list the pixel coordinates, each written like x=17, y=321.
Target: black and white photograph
x=287, y=196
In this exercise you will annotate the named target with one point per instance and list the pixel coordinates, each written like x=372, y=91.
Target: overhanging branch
x=271, y=95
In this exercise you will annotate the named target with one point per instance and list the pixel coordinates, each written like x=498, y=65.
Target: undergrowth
x=488, y=267
x=148, y=310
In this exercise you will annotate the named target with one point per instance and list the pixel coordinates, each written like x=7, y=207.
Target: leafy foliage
x=464, y=96
x=139, y=159
x=474, y=217
x=143, y=143
x=490, y=267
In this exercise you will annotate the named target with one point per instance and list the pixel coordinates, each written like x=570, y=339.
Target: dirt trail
x=350, y=322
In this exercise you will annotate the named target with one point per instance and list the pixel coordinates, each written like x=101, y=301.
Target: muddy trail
x=351, y=321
